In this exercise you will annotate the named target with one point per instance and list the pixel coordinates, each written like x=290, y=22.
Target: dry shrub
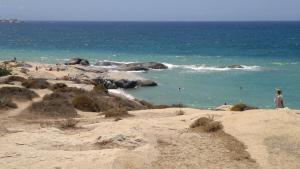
x=17, y=93
x=208, y=124
x=36, y=83
x=241, y=107
x=69, y=123
x=100, y=89
x=13, y=78
x=53, y=105
x=57, y=86
x=6, y=103
x=180, y=112
x=213, y=126
x=118, y=119
x=85, y=103
x=116, y=112
x=71, y=92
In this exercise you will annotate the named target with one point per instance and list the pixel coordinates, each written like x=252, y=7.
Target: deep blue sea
x=194, y=51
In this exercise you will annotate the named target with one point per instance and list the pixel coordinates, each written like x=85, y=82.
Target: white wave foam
x=204, y=68
x=121, y=92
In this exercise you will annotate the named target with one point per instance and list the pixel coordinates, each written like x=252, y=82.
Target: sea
x=197, y=54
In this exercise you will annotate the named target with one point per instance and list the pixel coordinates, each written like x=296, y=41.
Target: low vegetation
x=57, y=86
x=207, y=124
x=241, y=107
x=4, y=72
x=69, y=123
x=100, y=89
x=85, y=103
x=17, y=93
x=7, y=104
x=36, y=84
x=12, y=78
x=116, y=112
x=55, y=105
x=180, y=112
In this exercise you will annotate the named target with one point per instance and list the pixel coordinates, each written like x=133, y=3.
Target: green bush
x=4, y=72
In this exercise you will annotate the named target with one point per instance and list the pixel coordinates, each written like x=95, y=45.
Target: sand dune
x=152, y=139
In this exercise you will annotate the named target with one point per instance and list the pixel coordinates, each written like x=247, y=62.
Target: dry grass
x=10, y=79
x=57, y=86
x=69, y=123
x=85, y=103
x=116, y=112
x=17, y=93
x=207, y=124
x=118, y=119
x=55, y=105
x=241, y=107
x=36, y=84
x=70, y=92
x=180, y=112
x=236, y=148
x=100, y=89
x=6, y=103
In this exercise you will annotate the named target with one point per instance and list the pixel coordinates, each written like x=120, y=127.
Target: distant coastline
x=12, y=21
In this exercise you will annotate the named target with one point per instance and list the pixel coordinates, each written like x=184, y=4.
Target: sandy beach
x=148, y=138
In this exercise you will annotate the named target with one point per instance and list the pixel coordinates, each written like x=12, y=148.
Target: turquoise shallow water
x=194, y=51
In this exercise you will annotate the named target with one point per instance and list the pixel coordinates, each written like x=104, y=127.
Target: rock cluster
x=78, y=61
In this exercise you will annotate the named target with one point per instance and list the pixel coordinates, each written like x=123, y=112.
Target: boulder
x=147, y=83
x=148, y=65
x=108, y=63
x=78, y=61
x=236, y=66
x=133, y=66
x=126, y=84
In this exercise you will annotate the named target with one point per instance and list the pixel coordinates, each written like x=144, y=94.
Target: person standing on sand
x=279, y=99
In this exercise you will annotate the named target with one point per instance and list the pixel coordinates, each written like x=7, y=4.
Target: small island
x=10, y=21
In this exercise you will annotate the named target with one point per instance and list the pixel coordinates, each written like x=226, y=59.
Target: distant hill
x=9, y=21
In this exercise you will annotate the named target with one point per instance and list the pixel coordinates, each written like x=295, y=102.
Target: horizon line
x=159, y=20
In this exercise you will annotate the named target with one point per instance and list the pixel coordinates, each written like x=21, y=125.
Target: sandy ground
x=61, y=71
x=157, y=139
x=150, y=139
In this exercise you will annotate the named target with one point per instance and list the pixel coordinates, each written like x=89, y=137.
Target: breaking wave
x=204, y=68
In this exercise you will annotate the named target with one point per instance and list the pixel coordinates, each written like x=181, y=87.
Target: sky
x=151, y=10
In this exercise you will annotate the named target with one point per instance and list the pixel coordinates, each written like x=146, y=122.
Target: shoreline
x=128, y=75
x=43, y=126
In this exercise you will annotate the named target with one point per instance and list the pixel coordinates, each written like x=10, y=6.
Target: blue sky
x=151, y=10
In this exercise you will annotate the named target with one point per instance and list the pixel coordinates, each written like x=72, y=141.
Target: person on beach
x=279, y=99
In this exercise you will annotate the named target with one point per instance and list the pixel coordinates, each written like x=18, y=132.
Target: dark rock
x=85, y=62
x=77, y=61
x=91, y=69
x=133, y=68
x=147, y=65
x=147, y=83
x=236, y=66
x=108, y=84
x=126, y=84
